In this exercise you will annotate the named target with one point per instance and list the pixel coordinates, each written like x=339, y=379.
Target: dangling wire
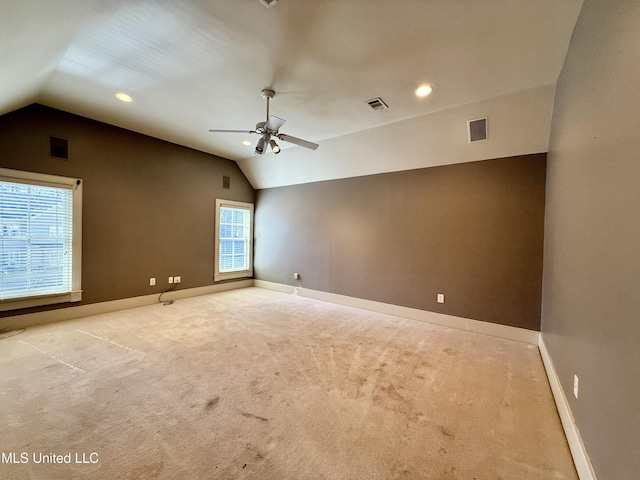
x=170, y=289
x=6, y=333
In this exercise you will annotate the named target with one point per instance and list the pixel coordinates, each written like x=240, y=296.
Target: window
x=234, y=240
x=40, y=239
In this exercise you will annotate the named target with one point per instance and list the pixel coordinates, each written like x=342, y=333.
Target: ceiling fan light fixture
x=260, y=146
x=424, y=90
x=275, y=148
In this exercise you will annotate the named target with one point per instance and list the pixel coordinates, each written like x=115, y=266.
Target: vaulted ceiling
x=192, y=65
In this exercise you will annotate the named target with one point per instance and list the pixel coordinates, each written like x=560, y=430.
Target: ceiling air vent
x=269, y=3
x=377, y=104
x=477, y=129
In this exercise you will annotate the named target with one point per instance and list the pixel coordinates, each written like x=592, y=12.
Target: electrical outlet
x=170, y=279
x=441, y=298
x=296, y=276
x=575, y=386
x=177, y=279
x=152, y=281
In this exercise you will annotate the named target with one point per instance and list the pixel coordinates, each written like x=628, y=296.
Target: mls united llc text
x=39, y=457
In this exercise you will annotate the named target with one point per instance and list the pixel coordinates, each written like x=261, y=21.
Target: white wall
x=518, y=124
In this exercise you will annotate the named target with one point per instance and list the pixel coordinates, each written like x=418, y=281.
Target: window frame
x=75, y=185
x=220, y=276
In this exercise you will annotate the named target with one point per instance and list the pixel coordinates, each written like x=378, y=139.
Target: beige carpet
x=254, y=384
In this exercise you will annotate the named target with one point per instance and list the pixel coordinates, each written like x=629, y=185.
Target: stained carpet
x=255, y=384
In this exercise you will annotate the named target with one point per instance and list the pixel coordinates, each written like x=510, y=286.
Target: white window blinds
x=40, y=239
x=36, y=240
x=234, y=240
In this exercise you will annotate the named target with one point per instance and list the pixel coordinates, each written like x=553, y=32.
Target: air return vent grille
x=59, y=148
x=377, y=104
x=269, y=3
x=477, y=130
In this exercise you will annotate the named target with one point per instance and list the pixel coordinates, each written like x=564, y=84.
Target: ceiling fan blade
x=275, y=123
x=234, y=131
x=298, y=141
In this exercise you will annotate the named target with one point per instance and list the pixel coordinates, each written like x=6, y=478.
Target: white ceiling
x=192, y=65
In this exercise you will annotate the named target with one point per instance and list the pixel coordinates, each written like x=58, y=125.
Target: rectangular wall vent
x=58, y=148
x=226, y=182
x=269, y=3
x=477, y=130
x=377, y=104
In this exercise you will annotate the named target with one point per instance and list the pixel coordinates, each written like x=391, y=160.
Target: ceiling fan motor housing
x=267, y=93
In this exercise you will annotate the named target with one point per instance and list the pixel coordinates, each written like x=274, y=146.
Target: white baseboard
x=70, y=313
x=276, y=287
x=578, y=451
x=486, y=328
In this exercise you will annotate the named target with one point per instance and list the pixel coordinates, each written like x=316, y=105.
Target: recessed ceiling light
x=424, y=90
x=246, y=142
x=123, y=97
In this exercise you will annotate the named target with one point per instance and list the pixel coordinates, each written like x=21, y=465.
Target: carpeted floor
x=255, y=384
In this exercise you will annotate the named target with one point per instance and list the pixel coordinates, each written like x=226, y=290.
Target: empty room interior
x=295, y=239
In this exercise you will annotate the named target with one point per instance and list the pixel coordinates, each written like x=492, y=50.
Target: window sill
x=218, y=277
x=16, y=303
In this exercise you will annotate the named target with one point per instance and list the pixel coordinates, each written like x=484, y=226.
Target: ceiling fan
x=269, y=129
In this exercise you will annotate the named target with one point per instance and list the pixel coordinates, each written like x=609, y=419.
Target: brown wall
x=148, y=205
x=591, y=306
x=471, y=231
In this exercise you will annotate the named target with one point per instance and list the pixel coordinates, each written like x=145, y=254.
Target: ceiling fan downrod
x=267, y=94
